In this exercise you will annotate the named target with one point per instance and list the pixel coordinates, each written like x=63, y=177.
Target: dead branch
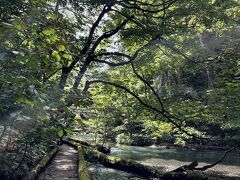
x=193, y=165
x=217, y=162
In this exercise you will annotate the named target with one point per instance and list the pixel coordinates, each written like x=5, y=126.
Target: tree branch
x=88, y=83
x=217, y=162
x=193, y=166
x=87, y=86
x=91, y=58
x=168, y=45
x=111, y=63
x=138, y=7
x=113, y=54
x=50, y=75
x=147, y=4
x=130, y=19
x=87, y=45
x=149, y=85
x=131, y=58
x=108, y=34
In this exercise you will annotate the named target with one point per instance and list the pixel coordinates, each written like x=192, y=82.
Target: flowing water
x=100, y=172
x=166, y=160
x=169, y=159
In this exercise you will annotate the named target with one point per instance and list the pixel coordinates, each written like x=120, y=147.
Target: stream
x=166, y=160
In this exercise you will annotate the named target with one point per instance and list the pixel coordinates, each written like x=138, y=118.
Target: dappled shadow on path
x=63, y=166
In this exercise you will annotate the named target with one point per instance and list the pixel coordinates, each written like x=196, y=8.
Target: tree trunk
x=80, y=75
x=57, y=6
x=210, y=83
x=64, y=76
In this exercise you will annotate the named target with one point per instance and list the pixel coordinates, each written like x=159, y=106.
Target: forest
x=119, y=89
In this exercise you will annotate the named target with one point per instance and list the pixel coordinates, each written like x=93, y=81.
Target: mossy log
x=82, y=165
x=138, y=168
x=101, y=148
x=119, y=163
x=79, y=142
x=41, y=165
x=72, y=143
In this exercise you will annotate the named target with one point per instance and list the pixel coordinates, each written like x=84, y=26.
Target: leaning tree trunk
x=81, y=73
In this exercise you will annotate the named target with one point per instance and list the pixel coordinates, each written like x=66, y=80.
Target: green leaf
x=60, y=132
x=67, y=56
x=61, y=48
x=69, y=131
x=49, y=31
x=56, y=55
x=20, y=100
x=29, y=103
x=18, y=24
x=23, y=100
